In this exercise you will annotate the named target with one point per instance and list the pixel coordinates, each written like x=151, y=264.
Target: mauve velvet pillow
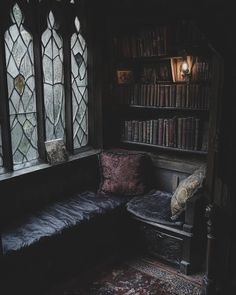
x=124, y=173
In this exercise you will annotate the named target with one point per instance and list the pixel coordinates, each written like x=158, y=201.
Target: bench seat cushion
x=57, y=217
x=154, y=207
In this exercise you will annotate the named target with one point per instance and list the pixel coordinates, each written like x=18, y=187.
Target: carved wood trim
x=209, y=280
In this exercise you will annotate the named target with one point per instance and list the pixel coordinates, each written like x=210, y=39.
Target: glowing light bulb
x=184, y=67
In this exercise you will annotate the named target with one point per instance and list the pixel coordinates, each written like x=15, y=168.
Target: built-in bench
x=79, y=221
x=55, y=218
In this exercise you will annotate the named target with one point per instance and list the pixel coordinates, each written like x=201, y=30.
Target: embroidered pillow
x=124, y=173
x=185, y=190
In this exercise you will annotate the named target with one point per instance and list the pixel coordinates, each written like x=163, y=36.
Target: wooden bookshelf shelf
x=165, y=147
x=144, y=59
x=170, y=83
x=167, y=108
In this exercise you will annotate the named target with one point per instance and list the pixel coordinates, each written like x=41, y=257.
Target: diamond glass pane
x=24, y=137
x=1, y=160
x=79, y=87
x=54, y=97
x=21, y=89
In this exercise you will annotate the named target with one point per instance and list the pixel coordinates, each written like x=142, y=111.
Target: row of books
x=183, y=133
x=201, y=70
x=192, y=96
x=156, y=41
x=144, y=43
x=152, y=74
x=170, y=70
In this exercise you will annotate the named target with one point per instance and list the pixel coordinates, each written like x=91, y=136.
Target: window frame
x=35, y=21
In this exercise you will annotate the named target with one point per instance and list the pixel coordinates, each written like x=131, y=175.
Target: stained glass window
x=21, y=89
x=37, y=115
x=79, y=87
x=54, y=97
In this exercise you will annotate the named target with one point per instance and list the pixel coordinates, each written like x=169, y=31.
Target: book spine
x=133, y=130
x=179, y=133
x=151, y=132
x=165, y=133
x=155, y=131
x=140, y=131
x=160, y=131
x=196, y=134
x=148, y=132
x=171, y=132
x=178, y=96
x=129, y=137
x=144, y=131
x=205, y=136
x=188, y=133
x=162, y=95
x=136, y=133
x=183, y=146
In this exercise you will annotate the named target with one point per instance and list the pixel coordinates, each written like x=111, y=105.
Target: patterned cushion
x=124, y=173
x=185, y=190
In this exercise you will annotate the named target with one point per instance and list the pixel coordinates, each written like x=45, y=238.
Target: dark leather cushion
x=57, y=217
x=154, y=207
x=124, y=173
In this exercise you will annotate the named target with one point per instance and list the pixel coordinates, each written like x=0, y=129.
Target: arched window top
x=77, y=24
x=51, y=20
x=16, y=15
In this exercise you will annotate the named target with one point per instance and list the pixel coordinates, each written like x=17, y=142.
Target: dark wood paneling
x=169, y=171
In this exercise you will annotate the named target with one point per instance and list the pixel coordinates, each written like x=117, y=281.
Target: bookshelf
x=161, y=106
x=165, y=147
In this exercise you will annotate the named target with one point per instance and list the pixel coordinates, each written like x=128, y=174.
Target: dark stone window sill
x=87, y=152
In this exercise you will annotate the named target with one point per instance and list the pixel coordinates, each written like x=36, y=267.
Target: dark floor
x=119, y=273
x=139, y=276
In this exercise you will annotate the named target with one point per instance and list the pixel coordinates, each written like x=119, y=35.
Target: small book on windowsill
x=56, y=151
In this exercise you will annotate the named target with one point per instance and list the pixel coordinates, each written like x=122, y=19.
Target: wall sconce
x=185, y=70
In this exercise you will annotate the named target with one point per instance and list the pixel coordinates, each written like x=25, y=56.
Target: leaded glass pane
x=24, y=137
x=1, y=159
x=54, y=97
x=79, y=87
x=21, y=89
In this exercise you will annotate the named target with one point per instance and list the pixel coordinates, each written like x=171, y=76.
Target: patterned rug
x=137, y=277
